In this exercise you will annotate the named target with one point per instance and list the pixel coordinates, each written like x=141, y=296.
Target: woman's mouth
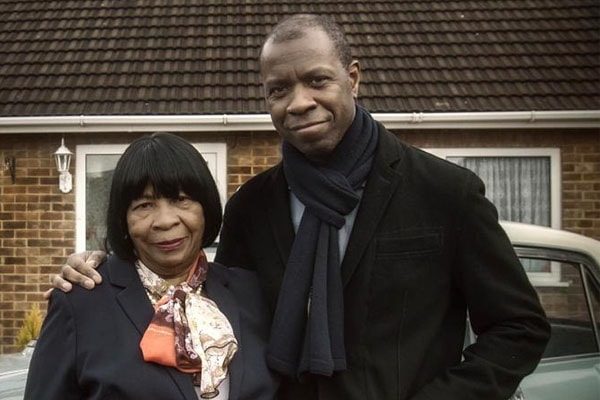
x=169, y=245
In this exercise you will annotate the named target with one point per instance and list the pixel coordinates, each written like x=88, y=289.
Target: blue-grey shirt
x=297, y=209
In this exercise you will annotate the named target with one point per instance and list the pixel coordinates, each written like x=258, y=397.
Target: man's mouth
x=306, y=126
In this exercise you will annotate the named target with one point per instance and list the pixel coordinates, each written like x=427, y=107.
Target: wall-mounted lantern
x=63, y=161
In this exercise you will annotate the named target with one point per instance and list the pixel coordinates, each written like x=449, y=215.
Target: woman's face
x=166, y=233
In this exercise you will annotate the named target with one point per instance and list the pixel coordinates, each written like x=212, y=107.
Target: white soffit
x=262, y=122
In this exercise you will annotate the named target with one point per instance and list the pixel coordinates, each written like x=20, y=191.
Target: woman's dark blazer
x=89, y=344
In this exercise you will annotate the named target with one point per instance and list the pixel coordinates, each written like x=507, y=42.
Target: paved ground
x=13, y=375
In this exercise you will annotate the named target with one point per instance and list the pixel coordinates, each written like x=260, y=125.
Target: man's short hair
x=295, y=26
x=169, y=164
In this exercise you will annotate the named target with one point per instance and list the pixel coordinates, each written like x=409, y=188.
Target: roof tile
x=169, y=57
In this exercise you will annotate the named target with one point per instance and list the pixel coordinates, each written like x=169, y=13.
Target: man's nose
x=302, y=100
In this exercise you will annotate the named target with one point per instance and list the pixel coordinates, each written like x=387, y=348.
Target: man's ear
x=354, y=74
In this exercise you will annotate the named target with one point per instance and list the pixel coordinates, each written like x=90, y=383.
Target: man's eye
x=318, y=81
x=276, y=91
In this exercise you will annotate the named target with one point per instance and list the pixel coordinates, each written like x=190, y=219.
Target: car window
x=567, y=308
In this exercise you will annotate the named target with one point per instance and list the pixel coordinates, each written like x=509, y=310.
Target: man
x=370, y=251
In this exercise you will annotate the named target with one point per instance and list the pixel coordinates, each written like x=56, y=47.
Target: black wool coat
x=426, y=247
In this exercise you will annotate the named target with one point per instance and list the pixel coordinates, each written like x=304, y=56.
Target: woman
x=165, y=324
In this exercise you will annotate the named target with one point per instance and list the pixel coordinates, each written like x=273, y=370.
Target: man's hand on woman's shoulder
x=80, y=269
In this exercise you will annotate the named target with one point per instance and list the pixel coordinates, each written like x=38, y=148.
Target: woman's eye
x=183, y=199
x=142, y=206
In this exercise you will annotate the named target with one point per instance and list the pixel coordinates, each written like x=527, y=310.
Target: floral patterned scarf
x=188, y=331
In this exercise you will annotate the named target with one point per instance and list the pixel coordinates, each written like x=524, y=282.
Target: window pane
x=519, y=187
x=544, y=266
x=99, y=172
x=568, y=313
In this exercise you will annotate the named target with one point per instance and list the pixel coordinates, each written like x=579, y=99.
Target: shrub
x=30, y=330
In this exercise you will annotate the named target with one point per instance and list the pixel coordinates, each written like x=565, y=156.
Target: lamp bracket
x=10, y=164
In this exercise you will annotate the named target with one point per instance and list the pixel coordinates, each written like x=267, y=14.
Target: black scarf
x=307, y=334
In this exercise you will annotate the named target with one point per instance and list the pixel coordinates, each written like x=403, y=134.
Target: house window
x=94, y=169
x=524, y=185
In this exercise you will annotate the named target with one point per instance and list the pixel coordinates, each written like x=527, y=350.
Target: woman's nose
x=166, y=216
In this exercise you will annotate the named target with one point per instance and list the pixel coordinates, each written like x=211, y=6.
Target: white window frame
x=537, y=278
x=216, y=151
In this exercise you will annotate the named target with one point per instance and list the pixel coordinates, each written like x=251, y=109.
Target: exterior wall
x=37, y=222
x=580, y=159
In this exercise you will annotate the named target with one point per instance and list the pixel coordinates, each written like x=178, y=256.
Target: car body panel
x=570, y=378
x=544, y=237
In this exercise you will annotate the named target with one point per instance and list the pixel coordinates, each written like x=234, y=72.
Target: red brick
x=6, y=234
x=52, y=216
x=38, y=243
x=49, y=251
x=63, y=207
x=38, y=225
x=27, y=198
x=38, y=207
x=45, y=189
x=62, y=225
x=7, y=251
x=15, y=260
x=51, y=198
x=13, y=225
x=14, y=207
x=7, y=198
x=14, y=242
x=38, y=171
x=12, y=278
x=49, y=181
x=15, y=189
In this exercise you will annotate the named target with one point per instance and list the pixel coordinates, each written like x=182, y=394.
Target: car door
x=570, y=295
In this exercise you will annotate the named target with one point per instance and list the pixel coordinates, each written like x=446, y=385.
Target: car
x=563, y=267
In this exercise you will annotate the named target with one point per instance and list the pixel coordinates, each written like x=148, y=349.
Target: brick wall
x=36, y=230
x=248, y=155
x=37, y=222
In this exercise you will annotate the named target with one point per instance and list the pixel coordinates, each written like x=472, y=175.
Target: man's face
x=309, y=93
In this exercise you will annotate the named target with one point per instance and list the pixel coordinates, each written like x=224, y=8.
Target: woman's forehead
x=151, y=191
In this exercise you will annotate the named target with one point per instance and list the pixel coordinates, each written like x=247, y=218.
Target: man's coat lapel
x=279, y=215
x=382, y=183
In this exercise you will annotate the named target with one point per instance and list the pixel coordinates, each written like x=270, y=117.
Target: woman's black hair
x=169, y=164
